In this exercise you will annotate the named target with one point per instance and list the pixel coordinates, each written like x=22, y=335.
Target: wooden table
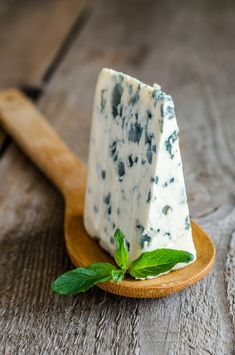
x=54, y=51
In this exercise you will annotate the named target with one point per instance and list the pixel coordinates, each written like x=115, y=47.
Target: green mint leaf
x=81, y=279
x=121, y=253
x=155, y=262
x=118, y=275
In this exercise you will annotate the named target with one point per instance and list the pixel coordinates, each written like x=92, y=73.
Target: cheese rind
x=135, y=177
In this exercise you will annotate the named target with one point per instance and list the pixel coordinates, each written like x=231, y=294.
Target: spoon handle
x=42, y=145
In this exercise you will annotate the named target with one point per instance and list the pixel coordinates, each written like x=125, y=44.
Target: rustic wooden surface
x=31, y=34
x=189, y=48
x=34, y=36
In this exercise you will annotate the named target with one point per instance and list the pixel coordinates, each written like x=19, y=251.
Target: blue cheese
x=135, y=176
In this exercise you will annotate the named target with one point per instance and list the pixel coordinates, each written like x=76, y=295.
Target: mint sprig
x=152, y=263
x=82, y=278
x=121, y=253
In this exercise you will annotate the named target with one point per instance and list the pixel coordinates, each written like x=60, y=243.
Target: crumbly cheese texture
x=135, y=176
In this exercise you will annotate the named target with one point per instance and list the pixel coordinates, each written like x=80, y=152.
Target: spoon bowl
x=38, y=140
x=84, y=251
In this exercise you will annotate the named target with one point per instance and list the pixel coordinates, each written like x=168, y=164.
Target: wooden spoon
x=31, y=131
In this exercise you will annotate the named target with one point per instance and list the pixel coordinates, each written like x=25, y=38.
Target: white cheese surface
x=135, y=176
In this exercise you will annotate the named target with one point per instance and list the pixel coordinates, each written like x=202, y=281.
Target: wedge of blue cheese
x=135, y=177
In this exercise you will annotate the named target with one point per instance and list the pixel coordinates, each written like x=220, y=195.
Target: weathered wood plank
x=33, y=37
x=183, y=47
x=31, y=33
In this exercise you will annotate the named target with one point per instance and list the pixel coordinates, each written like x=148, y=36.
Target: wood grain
x=34, y=36
x=188, y=47
x=31, y=34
